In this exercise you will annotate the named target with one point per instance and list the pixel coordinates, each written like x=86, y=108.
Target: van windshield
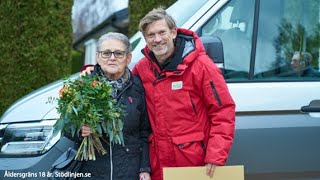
x=181, y=11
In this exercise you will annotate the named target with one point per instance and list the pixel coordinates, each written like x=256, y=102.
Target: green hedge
x=139, y=8
x=35, y=44
x=77, y=61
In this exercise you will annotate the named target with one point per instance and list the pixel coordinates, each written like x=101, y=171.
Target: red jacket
x=191, y=111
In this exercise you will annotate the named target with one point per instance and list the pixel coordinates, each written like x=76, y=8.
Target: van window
x=135, y=42
x=287, y=45
x=234, y=24
x=179, y=14
x=288, y=40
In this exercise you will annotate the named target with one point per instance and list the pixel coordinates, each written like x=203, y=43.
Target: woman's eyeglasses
x=117, y=54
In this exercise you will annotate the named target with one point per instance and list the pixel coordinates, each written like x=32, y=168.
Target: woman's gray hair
x=115, y=36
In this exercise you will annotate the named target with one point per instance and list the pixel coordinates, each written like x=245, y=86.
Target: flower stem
x=88, y=147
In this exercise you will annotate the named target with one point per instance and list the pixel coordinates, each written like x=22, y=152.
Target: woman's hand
x=85, y=131
x=145, y=176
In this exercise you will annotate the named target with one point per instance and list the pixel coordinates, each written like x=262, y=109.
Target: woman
x=132, y=160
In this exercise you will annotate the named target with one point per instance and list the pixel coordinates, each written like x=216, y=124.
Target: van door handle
x=310, y=109
x=314, y=106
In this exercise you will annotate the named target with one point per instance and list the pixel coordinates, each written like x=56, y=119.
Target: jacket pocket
x=180, y=106
x=133, y=148
x=189, y=149
x=127, y=162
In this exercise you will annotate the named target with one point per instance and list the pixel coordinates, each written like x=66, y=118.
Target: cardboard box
x=199, y=173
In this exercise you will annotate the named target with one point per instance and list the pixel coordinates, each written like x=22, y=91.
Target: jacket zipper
x=159, y=78
x=215, y=93
x=110, y=146
x=111, y=162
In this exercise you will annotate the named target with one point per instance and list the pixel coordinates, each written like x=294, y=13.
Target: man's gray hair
x=115, y=36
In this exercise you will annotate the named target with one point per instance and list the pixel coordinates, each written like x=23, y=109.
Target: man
x=191, y=111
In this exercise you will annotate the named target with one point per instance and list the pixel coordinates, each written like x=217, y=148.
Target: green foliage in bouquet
x=87, y=101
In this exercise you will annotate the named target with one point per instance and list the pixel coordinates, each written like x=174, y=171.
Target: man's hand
x=87, y=71
x=210, y=169
x=145, y=176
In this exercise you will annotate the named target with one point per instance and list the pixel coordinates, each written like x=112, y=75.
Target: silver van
x=271, y=51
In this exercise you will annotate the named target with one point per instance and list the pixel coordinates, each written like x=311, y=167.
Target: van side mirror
x=214, y=48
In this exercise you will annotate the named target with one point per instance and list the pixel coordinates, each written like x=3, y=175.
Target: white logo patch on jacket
x=176, y=85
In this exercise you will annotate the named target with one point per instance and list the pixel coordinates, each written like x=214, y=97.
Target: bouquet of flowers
x=87, y=101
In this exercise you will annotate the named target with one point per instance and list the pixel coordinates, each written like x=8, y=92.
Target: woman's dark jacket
x=129, y=160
